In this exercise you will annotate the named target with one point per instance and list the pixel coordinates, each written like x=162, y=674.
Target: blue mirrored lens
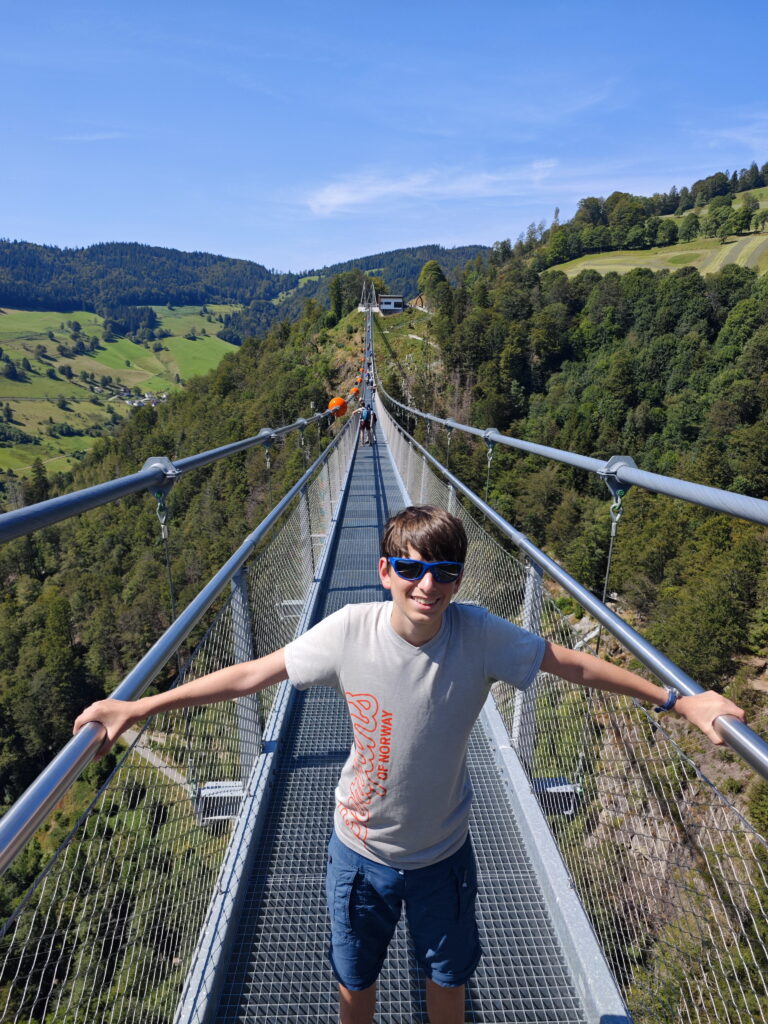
x=412, y=569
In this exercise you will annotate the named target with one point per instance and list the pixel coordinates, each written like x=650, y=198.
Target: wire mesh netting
x=106, y=931
x=673, y=877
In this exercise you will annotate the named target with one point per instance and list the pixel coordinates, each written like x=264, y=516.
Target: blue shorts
x=365, y=900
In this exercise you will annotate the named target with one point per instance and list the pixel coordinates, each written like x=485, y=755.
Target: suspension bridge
x=617, y=882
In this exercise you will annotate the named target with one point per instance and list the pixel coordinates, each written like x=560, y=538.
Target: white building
x=391, y=303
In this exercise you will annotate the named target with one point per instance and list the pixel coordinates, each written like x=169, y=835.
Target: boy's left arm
x=587, y=670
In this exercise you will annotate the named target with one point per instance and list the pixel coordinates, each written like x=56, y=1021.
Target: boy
x=415, y=673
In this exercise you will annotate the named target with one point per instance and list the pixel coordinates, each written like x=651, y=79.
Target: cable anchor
x=449, y=431
x=302, y=441
x=609, y=474
x=159, y=493
x=172, y=474
x=162, y=513
x=490, y=444
x=617, y=510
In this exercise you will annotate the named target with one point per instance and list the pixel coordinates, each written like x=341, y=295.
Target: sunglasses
x=412, y=569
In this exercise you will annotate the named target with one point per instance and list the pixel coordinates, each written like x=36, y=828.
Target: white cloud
x=749, y=130
x=367, y=189
x=563, y=104
x=92, y=137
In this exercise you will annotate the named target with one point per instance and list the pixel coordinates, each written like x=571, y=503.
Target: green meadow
x=61, y=412
x=708, y=255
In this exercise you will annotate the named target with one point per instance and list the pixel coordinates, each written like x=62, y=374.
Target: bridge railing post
x=523, y=734
x=423, y=484
x=307, y=540
x=249, y=718
x=335, y=479
x=325, y=476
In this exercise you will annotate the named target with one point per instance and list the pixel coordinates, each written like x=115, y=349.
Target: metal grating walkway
x=278, y=971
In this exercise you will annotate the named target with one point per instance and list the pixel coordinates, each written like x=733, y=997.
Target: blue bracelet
x=670, y=702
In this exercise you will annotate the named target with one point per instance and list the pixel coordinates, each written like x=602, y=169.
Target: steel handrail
x=620, y=469
x=27, y=814
x=738, y=736
x=155, y=474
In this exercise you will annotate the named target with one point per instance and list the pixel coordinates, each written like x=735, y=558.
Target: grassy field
x=45, y=398
x=292, y=291
x=708, y=255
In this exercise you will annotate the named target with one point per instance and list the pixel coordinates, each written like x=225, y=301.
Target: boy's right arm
x=235, y=681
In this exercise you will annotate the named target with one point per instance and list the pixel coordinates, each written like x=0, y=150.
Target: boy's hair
x=437, y=535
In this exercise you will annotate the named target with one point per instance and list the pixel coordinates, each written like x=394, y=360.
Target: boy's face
x=418, y=606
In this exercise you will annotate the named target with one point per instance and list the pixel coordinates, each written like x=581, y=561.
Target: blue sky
x=300, y=134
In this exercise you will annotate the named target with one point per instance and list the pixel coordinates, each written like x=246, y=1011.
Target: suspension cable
x=162, y=515
x=622, y=469
x=617, y=510
x=489, y=458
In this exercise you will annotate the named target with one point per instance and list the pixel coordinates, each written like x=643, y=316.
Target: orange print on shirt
x=373, y=738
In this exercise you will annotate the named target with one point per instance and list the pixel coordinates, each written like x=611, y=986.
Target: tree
x=500, y=254
x=636, y=237
x=712, y=223
x=666, y=233
x=685, y=201
x=740, y=220
x=336, y=298
x=558, y=250
x=549, y=338
x=718, y=184
x=591, y=211
x=651, y=230
x=750, y=203
x=36, y=488
x=625, y=210
x=430, y=278
x=720, y=203
x=750, y=178
x=689, y=228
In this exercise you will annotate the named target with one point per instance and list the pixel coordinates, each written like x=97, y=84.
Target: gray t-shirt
x=404, y=793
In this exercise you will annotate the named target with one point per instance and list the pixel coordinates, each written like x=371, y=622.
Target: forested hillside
x=85, y=331
x=670, y=368
x=99, y=277
x=111, y=276
x=721, y=206
x=82, y=601
x=399, y=268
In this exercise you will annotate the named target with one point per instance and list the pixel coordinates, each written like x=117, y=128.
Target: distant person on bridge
x=415, y=673
x=365, y=425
